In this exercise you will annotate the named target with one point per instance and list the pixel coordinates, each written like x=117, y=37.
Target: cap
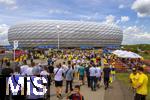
x=133, y=69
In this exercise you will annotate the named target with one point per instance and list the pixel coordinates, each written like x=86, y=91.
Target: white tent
x=126, y=54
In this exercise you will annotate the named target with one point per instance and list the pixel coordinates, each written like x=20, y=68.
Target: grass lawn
x=145, y=56
x=124, y=77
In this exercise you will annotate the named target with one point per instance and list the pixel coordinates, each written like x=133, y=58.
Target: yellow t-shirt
x=134, y=79
x=143, y=89
x=113, y=72
x=105, y=61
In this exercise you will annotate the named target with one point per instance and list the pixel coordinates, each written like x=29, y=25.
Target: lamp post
x=58, y=27
x=15, y=47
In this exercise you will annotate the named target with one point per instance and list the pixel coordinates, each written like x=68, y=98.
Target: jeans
x=67, y=84
x=88, y=81
x=93, y=82
x=106, y=82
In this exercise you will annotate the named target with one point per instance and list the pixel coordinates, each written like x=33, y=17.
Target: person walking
x=45, y=73
x=87, y=70
x=64, y=66
x=106, y=75
x=30, y=68
x=49, y=60
x=38, y=96
x=133, y=78
x=58, y=77
x=98, y=76
x=113, y=73
x=69, y=77
x=81, y=71
x=141, y=85
x=1, y=66
x=51, y=72
x=24, y=68
x=31, y=57
x=93, y=72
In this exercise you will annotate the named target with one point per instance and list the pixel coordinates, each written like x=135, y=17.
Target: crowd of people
x=86, y=67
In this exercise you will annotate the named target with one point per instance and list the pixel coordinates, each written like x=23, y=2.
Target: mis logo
x=34, y=85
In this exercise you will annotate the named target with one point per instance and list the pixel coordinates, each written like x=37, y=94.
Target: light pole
x=58, y=27
x=15, y=47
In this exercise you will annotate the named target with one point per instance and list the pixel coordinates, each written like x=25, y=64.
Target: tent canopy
x=126, y=54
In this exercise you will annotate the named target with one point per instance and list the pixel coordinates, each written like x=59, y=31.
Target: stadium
x=65, y=34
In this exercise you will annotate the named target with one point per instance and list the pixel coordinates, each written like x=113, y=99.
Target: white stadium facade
x=65, y=33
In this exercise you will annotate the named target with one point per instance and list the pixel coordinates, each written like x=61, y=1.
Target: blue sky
x=132, y=16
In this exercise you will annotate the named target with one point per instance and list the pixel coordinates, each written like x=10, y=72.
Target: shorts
x=81, y=77
x=58, y=83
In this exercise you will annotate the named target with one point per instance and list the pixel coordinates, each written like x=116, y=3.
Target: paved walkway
x=118, y=91
x=85, y=91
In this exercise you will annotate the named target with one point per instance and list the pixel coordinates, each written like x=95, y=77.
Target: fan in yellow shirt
x=141, y=85
x=134, y=76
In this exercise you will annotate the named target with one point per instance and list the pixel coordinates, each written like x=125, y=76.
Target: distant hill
x=141, y=49
x=138, y=46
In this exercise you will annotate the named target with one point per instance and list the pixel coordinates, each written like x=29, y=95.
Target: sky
x=132, y=16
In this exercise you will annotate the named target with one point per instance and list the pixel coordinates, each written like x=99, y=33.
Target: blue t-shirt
x=69, y=74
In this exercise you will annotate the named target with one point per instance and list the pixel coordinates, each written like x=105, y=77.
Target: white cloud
x=85, y=17
x=91, y=17
x=9, y=4
x=121, y=6
x=58, y=11
x=124, y=18
x=14, y=7
x=135, y=35
x=89, y=2
x=110, y=19
x=4, y=34
x=3, y=28
x=142, y=7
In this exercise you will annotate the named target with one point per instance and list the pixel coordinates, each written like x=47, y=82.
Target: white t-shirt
x=78, y=61
x=99, y=71
x=29, y=71
x=44, y=73
x=24, y=69
x=93, y=71
x=58, y=76
x=76, y=68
